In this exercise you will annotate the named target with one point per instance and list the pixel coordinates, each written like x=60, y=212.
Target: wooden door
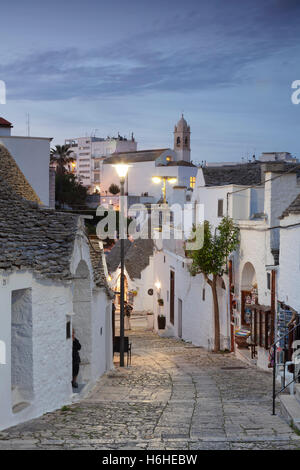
x=179, y=318
x=172, y=296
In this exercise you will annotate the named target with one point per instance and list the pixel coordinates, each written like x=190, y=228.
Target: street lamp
x=122, y=170
x=164, y=179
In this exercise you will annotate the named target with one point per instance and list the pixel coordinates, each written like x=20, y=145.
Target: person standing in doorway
x=76, y=359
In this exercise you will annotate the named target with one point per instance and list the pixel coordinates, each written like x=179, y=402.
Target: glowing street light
x=158, y=285
x=164, y=179
x=122, y=170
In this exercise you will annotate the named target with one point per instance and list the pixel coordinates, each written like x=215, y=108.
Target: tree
x=60, y=155
x=69, y=191
x=211, y=258
x=114, y=189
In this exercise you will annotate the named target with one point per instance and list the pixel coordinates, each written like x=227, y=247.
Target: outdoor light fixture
x=122, y=170
x=164, y=179
x=157, y=285
x=156, y=179
x=172, y=180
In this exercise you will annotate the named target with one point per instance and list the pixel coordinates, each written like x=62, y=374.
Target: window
x=203, y=294
x=192, y=181
x=186, y=141
x=220, y=207
x=178, y=141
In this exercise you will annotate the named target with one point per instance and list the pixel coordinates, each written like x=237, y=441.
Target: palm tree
x=60, y=156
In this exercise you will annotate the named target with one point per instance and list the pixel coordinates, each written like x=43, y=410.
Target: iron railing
x=285, y=350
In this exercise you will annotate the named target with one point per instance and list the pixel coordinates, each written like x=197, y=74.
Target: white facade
x=289, y=272
x=256, y=210
x=193, y=313
x=40, y=380
x=139, y=179
x=90, y=151
x=32, y=154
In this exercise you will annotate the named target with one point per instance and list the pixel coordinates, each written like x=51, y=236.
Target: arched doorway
x=82, y=320
x=248, y=292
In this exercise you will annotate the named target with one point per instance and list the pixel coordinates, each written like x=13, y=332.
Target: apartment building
x=91, y=151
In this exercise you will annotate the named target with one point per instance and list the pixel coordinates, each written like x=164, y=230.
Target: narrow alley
x=173, y=396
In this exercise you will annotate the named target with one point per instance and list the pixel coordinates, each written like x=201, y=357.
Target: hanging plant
x=160, y=302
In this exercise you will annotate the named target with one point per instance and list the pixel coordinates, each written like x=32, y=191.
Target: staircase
x=290, y=407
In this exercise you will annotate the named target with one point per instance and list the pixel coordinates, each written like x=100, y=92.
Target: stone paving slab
x=173, y=396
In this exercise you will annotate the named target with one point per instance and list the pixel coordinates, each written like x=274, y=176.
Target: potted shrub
x=161, y=320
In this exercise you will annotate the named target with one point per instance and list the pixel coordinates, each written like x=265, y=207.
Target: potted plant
x=161, y=320
x=160, y=302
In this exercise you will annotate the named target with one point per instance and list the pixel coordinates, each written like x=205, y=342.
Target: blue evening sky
x=120, y=66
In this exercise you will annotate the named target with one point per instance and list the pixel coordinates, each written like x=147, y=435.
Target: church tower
x=182, y=139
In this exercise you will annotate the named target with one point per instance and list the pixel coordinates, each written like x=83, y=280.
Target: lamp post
x=164, y=179
x=122, y=170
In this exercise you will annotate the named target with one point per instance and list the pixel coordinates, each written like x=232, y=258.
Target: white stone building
x=51, y=279
x=289, y=257
x=254, y=195
x=32, y=154
x=90, y=152
x=146, y=164
x=139, y=269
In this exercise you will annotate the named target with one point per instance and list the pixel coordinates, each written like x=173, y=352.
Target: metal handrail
x=286, y=334
x=274, y=347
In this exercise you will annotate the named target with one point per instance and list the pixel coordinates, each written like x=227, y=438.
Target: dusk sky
x=114, y=66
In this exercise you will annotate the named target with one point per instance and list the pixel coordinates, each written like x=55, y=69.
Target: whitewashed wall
x=101, y=334
x=51, y=377
x=289, y=272
x=197, y=315
x=52, y=304
x=139, y=179
x=142, y=301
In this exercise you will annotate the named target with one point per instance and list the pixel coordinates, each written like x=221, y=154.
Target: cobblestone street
x=174, y=396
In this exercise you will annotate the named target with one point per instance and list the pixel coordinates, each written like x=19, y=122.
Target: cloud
x=204, y=48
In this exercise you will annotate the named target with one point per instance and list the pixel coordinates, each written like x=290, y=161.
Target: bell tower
x=182, y=139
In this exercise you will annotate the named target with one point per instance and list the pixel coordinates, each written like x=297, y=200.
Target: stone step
x=290, y=409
